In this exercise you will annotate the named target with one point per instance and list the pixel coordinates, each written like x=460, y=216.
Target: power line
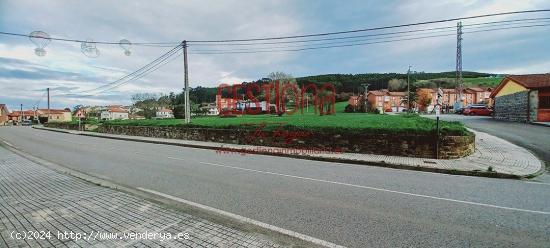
x=143, y=74
x=237, y=51
x=163, y=44
x=158, y=60
x=90, y=42
x=345, y=42
x=505, y=22
x=144, y=70
x=371, y=29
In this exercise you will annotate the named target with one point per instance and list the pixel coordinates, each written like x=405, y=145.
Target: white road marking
x=538, y=183
x=8, y=143
x=247, y=220
x=377, y=189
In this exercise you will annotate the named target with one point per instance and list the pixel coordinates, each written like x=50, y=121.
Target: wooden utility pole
x=186, y=79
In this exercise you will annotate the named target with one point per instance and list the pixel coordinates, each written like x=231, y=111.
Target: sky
x=67, y=71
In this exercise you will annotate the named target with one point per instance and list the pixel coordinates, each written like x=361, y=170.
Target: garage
x=523, y=98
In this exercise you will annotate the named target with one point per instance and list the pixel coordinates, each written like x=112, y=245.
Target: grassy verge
x=342, y=122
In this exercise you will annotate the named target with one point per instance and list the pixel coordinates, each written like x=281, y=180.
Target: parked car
x=459, y=111
x=477, y=110
x=26, y=123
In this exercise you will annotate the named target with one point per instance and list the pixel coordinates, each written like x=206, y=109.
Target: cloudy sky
x=66, y=70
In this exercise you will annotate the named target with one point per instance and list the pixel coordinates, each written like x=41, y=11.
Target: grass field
x=350, y=122
x=471, y=82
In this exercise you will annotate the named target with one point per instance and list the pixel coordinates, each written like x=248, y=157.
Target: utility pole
x=21, y=115
x=409, y=89
x=48, y=120
x=186, y=79
x=459, y=81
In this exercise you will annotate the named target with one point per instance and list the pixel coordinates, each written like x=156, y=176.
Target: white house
x=164, y=113
x=210, y=109
x=114, y=114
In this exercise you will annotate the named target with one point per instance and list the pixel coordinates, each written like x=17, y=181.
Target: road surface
x=351, y=205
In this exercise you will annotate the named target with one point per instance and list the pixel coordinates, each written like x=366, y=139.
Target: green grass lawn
x=351, y=122
x=483, y=82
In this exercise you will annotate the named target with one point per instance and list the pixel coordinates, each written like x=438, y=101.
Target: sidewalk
x=50, y=205
x=493, y=157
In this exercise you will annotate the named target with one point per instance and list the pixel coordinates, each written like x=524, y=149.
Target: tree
x=397, y=84
x=413, y=99
x=77, y=107
x=283, y=79
x=147, y=102
x=424, y=99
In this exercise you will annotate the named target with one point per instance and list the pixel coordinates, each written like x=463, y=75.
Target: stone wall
x=411, y=145
x=513, y=107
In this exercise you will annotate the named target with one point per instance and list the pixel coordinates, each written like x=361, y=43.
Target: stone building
x=523, y=98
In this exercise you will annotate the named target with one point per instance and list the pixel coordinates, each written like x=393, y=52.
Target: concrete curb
x=539, y=124
x=298, y=156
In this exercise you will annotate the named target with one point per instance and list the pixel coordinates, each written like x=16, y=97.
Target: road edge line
x=146, y=193
x=246, y=219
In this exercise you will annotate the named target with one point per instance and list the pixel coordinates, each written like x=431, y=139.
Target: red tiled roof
x=117, y=110
x=529, y=81
x=532, y=80
x=54, y=111
x=25, y=113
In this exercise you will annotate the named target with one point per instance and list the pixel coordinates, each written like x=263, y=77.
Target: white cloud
x=164, y=20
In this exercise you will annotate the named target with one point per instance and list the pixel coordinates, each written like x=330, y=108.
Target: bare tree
x=397, y=84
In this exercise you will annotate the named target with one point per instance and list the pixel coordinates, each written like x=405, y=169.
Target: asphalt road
x=351, y=205
x=533, y=137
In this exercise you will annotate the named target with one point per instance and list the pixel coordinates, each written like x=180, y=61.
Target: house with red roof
x=385, y=100
x=114, y=113
x=524, y=98
x=55, y=115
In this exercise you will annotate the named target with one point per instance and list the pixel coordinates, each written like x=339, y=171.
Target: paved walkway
x=35, y=200
x=493, y=156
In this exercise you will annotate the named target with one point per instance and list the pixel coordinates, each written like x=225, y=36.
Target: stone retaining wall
x=411, y=145
x=513, y=107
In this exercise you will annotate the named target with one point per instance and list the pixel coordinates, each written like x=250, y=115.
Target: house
x=386, y=100
x=225, y=103
x=210, y=109
x=79, y=114
x=451, y=97
x=18, y=116
x=114, y=113
x=164, y=113
x=523, y=98
x=4, y=112
x=55, y=115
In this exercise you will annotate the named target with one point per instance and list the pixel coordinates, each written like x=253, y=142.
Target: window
x=544, y=102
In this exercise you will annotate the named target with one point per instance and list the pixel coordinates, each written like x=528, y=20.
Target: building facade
x=164, y=113
x=523, y=98
x=387, y=101
x=114, y=114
